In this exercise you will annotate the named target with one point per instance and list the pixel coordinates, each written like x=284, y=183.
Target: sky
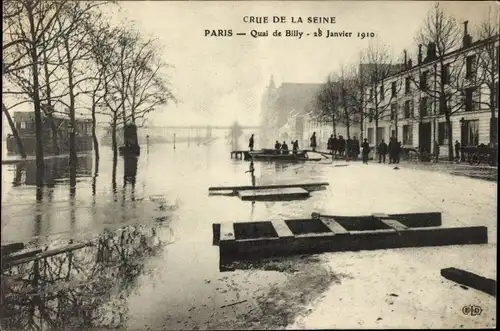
x=221, y=79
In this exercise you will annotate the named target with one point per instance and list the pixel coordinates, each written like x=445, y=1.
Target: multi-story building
x=413, y=104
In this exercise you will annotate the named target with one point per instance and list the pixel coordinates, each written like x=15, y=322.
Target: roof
x=297, y=96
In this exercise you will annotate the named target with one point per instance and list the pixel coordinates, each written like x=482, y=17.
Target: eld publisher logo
x=472, y=310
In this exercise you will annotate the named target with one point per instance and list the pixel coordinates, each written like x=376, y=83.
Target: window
x=407, y=109
x=393, y=89
x=442, y=133
x=407, y=85
x=380, y=134
x=370, y=136
x=394, y=111
x=23, y=125
x=371, y=94
x=445, y=73
x=370, y=114
x=382, y=92
x=471, y=98
x=424, y=104
x=423, y=80
x=471, y=66
x=471, y=133
x=407, y=135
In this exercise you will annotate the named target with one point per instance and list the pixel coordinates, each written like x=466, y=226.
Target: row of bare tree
x=449, y=79
x=66, y=54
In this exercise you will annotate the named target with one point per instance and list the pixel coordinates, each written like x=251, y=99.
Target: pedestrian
x=365, y=151
x=349, y=148
x=250, y=143
x=341, y=144
x=355, y=148
x=335, y=145
x=391, y=148
x=313, y=142
x=436, y=151
x=382, y=151
x=457, y=150
x=397, y=151
x=329, y=145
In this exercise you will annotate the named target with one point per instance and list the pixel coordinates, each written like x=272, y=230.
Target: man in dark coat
x=277, y=146
x=349, y=147
x=250, y=142
x=355, y=148
x=341, y=144
x=329, y=145
x=335, y=145
x=313, y=142
x=284, y=148
x=391, y=148
x=365, y=151
x=382, y=151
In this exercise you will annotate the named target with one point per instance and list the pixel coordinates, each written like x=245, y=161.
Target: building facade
x=461, y=85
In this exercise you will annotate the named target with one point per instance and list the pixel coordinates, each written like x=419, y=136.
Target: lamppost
x=462, y=139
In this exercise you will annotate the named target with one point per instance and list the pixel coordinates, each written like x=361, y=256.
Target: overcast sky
x=222, y=79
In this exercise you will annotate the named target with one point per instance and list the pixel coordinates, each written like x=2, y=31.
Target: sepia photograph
x=221, y=165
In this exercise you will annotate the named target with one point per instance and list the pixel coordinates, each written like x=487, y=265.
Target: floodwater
x=152, y=264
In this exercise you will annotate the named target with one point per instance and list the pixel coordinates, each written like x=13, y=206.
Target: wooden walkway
x=323, y=233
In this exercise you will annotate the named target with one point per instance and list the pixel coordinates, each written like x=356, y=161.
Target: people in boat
x=295, y=145
x=365, y=150
x=277, y=146
x=329, y=144
x=313, y=142
x=284, y=148
x=250, y=143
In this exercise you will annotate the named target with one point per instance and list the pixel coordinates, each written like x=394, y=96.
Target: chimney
x=431, y=51
x=420, y=54
x=467, y=40
x=406, y=62
x=409, y=64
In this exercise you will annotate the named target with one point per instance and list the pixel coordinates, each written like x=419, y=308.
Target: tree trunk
x=450, y=137
x=361, y=125
x=493, y=119
x=48, y=91
x=114, y=143
x=40, y=166
x=94, y=135
x=19, y=142
x=73, y=158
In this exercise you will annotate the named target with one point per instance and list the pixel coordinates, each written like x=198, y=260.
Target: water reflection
x=57, y=170
x=79, y=289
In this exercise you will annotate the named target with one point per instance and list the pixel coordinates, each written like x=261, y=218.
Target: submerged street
x=153, y=266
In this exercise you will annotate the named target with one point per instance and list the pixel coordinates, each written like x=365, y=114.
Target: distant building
x=288, y=113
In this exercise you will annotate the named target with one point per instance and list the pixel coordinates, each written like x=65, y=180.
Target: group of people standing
x=393, y=149
x=341, y=146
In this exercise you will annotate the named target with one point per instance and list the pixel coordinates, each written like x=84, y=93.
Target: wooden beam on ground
x=227, y=232
x=11, y=248
x=263, y=187
x=390, y=222
x=334, y=226
x=469, y=279
x=282, y=229
x=285, y=194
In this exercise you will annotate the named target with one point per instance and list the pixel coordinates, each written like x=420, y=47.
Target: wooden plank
x=50, y=253
x=334, y=226
x=260, y=187
x=471, y=280
x=11, y=248
x=282, y=229
x=394, y=224
x=274, y=194
x=227, y=231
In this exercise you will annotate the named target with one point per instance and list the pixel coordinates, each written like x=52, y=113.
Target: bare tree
x=488, y=63
x=440, y=75
x=25, y=31
x=349, y=112
x=378, y=66
x=327, y=103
